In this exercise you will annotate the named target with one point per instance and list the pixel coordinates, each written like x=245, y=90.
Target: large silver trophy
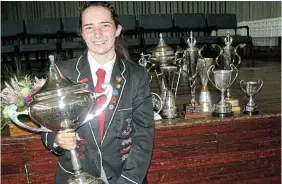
x=205, y=97
x=228, y=53
x=163, y=61
x=191, y=56
x=222, y=81
x=251, y=89
x=61, y=104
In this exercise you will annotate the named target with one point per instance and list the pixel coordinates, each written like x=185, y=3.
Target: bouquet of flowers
x=18, y=92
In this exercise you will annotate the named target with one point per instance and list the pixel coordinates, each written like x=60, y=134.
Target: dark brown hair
x=121, y=52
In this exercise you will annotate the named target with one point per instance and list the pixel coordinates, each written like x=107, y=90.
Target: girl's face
x=99, y=31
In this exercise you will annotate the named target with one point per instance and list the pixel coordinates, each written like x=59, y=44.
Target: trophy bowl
x=62, y=104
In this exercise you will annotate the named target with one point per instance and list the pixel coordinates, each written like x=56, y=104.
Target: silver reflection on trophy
x=157, y=106
x=251, y=89
x=205, y=97
x=222, y=80
x=169, y=110
x=61, y=104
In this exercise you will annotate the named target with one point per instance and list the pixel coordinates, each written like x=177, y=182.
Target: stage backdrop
x=245, y=10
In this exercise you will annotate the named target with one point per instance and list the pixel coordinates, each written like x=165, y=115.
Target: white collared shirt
x=94, y=66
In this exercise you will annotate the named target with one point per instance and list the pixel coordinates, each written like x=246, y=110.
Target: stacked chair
x=34, y=39
x=40, y=39
x=131, y=36
x=152, y=25
x=71, y=41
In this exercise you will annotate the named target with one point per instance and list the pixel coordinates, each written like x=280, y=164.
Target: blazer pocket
x=123, y=118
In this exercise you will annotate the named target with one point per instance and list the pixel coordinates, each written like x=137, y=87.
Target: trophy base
x=234, y=101
x=222, y=115
x=195, y=115
x=84, y=178
x=223, y=110
x=192, y=111
x=188, y=108
x=250, y=110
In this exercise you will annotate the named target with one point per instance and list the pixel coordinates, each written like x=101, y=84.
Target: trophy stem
x=251, y=101
x=76, y=165
x=193, y=88
x=222, y=101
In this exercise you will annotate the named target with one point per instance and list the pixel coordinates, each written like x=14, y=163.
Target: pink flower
x=28, y=99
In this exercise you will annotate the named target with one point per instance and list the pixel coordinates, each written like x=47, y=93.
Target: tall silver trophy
x=205, y=97
x=191, y=56
x=251, y=89
x=163, y=59
x=228, y=53
x=222, y=81
x=62, y=104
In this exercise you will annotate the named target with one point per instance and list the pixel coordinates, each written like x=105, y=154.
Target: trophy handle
x=200, y=52
x=160, y=99
x=243, y=82
x=108, y=92
x=177, y=81
x=236, y=54
x=261, y=83
x=208, y=73
x=13, y=114
x=220, y=54
x=233, y=67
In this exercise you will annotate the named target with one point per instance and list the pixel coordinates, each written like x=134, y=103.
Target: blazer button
x=109, y=178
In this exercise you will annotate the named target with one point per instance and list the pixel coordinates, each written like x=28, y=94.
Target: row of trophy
x=169, y=66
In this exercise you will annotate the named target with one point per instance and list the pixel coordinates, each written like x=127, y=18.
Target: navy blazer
x=125, y=152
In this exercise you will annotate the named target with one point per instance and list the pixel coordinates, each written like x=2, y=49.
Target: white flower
x=5, y=112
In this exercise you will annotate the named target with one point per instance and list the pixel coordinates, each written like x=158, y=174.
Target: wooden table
x=241, y=149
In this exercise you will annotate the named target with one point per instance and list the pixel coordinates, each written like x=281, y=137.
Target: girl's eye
x=106, y=25
x=88, y=28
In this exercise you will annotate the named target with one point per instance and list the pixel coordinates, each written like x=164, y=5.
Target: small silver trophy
x=61, y=104
x=251, y=89
x=229, y=54
x=205, y=97
x=222, y=81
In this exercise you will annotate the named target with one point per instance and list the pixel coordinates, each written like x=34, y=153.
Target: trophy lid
x=162, y=53
x=56, y=84
x=162, y=49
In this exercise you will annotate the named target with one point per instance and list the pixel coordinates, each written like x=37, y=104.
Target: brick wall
x=245, y=151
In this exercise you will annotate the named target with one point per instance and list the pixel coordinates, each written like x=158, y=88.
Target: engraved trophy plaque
x=251, y=89
x=62, y=104
x=229, y=55
x=222, y=81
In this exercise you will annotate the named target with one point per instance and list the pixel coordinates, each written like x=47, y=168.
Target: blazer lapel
x=85, y=72
x=86, y=76
x=117, y=82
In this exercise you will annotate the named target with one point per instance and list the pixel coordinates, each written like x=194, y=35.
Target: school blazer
x=123, y=155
